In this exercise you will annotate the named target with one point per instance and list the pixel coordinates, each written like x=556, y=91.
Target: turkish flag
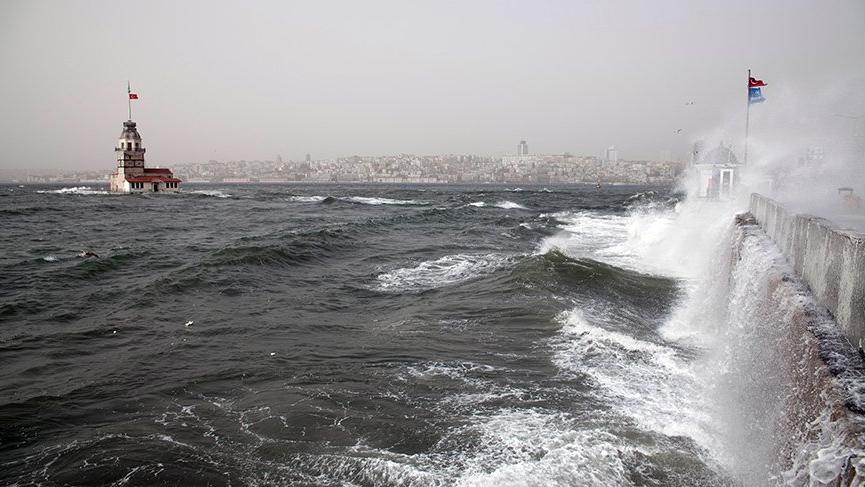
x=134, y=96
x=754, y=82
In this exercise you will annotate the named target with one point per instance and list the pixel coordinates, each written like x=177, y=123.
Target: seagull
x=189, y=323
x=690, y=103
x=677, y=131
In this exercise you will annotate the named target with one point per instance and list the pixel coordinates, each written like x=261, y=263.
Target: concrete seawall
x=804, y=396
x=830, y=260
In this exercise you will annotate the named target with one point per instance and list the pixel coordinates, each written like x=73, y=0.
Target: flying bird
x=677, y=131
x=690, y=103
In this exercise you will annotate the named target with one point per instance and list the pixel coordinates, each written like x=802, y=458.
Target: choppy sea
x=345, y=335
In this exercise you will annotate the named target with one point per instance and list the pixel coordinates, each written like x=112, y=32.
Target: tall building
x=523, y=148
x=612, y=155
x=131, y=176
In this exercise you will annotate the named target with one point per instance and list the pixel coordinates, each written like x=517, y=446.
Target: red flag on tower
x=754, y=82
x=133, y=96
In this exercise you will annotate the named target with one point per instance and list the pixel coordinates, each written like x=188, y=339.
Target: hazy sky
x=250, y=80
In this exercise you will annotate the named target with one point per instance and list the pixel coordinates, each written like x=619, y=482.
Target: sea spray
x=778, y=415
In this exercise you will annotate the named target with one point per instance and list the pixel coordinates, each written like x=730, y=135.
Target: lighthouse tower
x=131, y=176
x=130, y=157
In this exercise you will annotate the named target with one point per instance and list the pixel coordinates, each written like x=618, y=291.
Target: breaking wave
x=307, y=199
x=441, y=272
x=510, y=205
x=85, y=190
x=363, y=200
x=505, y=205
x=383, y=201
x=211, y=192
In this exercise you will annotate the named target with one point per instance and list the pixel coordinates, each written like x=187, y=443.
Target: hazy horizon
x=231, y=81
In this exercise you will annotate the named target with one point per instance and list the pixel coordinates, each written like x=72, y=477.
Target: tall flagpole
x=747, y=113
x=129, y=99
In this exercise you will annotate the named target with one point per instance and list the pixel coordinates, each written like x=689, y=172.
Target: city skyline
x=405, y=168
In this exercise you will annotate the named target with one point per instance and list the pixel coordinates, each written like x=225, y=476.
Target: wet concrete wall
x=830, y=260
x=805, y=394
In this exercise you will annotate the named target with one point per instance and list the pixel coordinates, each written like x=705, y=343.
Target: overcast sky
x=251, y=80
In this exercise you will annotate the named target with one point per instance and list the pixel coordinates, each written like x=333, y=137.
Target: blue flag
x=755, y=95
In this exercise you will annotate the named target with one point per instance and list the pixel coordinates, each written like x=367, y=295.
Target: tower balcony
x=141, y=150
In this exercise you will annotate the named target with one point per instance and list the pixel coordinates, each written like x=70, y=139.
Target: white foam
x=212, y=192
x=308, y=199
x=50, y=258
x=538, y=447
x=453, y=370
x=444, y=271
x=586, y=234
x=382, y=201
x=86, y=190
x=478, y=204
x=643, y=380
x=657, y=240
x=510, y=205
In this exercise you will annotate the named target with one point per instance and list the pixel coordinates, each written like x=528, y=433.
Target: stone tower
x=130, y=155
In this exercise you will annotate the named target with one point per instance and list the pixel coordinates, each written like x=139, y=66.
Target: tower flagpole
x=128, y=98
x=747, y=113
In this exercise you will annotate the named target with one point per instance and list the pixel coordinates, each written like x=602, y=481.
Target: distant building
x=523, y=148
x=612, y=155
x=131, y=176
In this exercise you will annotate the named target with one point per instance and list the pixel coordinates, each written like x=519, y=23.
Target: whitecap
x=444, y=271
x=510, y=205
x=74, y=190
x=308, y=199
x=212, y=192
x=645, y=381
x=382, y=201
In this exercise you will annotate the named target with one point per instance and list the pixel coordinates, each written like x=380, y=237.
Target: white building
x=717, y=171
x=612, y=155
x=131, y=176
